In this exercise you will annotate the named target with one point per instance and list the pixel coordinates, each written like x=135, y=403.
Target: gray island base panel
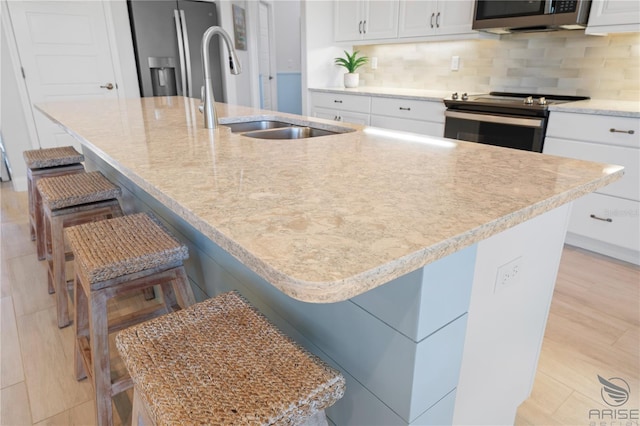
x=429, y=263
x=446, y=344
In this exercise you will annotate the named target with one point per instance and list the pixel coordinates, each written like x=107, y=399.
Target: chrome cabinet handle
x=364, y=26
x=337, y=101
x=360, y=27
x=612, y=130
x=107, y=86
x=438, y=20
x=608, y=219
x=432, y=16
x=405, y=109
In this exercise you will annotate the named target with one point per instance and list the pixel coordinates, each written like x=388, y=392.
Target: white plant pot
x=351, y=80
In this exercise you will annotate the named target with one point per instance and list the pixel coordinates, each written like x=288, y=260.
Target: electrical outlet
x=455, y=63
x=374, y=63
x=508, y=274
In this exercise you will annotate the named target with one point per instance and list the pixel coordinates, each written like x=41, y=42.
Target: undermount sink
x=255, y=125
x=276, y=129
x=293, y=132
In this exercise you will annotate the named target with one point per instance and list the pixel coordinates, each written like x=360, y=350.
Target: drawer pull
x=337, y=101
x=612, y=130
x=405, y=109
x=593, y=216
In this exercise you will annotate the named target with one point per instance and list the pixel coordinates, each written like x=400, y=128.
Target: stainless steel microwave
x=502, y=17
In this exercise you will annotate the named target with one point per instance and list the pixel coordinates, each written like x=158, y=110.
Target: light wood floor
x=593, y=328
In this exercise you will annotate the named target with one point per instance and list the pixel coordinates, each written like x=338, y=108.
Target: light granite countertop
x=601, y=107
x=384, y=92
x=593, y=106
x=324, y=219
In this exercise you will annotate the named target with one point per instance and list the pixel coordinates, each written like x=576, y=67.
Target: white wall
x=318, y=67
x=287, y=34
x=241, y=89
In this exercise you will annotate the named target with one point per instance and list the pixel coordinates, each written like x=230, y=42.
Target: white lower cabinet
x=341, y=115
x=410, y=115
x=607, y=221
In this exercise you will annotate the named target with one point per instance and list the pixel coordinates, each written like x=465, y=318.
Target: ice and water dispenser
x=163, y=76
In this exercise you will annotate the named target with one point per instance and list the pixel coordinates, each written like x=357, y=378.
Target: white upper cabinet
x=420, y=18
x=613, y=16
x=365, y=19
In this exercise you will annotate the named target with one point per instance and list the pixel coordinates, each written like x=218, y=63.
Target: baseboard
x=601, y=247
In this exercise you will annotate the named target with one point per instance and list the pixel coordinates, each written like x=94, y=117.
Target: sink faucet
x=208, y=102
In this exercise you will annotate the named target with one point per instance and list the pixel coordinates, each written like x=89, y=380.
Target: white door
x=417, y=18
x=65, y=55
x=266, y=58
x=455, y=17
x=347, y=19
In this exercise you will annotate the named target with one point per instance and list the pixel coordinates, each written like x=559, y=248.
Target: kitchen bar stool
x=41, y=163
x=114, y=257
x=70, y=200
x=222, y=362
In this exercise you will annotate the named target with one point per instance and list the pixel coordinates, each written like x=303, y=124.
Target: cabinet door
x=348, y=19
x=380, y=19
x=428, y=128
x=354, y=117
x=327, y=114
x=622, y=13
x=454, y=17
x=338, y=115
x=417, y=18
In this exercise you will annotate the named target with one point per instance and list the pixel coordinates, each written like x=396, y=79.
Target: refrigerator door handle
x=183, y=73
x=187, y=52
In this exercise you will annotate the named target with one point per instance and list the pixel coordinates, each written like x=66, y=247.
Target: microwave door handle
x=183, y=72
x=548, y=6
x=187, y=52
x=498, y=119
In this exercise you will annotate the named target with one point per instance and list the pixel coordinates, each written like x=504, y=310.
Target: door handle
x=270, y=77
x=604, y=219
x=438, y=20
x=187, y=53
x=108, y=86
x=183, y=69
x=621, y=131
x=432, y=16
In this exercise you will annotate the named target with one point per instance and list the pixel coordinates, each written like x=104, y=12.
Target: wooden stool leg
x=45, y=236
x=80, y=325
x=38, y=217
x=101, y=365
x=183, y=288
x=139, y=412
x=59, y=271
x=32, y=225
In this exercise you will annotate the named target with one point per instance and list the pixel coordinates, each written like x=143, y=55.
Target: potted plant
x=351, y=63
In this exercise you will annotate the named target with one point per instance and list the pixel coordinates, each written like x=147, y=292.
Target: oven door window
x=511, y=132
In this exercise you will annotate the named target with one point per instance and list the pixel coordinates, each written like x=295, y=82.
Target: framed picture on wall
x=239, y=28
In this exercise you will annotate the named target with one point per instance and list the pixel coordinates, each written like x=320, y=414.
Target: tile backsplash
x=563, y=62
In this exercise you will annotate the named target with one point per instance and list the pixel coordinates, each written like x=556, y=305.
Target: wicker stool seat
x=70, y=200
x=222, y=362
x=43, y=163
x=114, y=257
x=52, y=157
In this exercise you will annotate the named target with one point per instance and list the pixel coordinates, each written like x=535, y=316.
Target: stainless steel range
x=512, y=120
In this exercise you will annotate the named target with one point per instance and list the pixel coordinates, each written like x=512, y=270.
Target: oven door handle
x=498, y=119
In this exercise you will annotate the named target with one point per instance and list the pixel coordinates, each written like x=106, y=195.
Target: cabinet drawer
x=343, y=116
x=595, y=128
x=615, y=220
x=627, y=187
x=343, y=102
x=408, y=108
x=428, y=128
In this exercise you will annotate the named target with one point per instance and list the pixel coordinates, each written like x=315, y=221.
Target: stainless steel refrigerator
x=167, y=36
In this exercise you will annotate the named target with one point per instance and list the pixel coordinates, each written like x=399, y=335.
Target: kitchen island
x=422, y=268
